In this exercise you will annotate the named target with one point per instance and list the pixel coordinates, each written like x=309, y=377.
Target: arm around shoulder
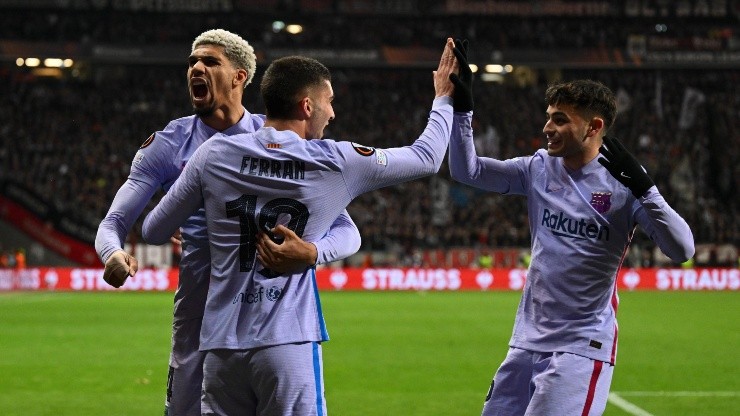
x=181, y=201
x=342, y=240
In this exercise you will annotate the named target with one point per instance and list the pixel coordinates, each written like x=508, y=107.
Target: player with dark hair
x=263, y=330
x=220, y=66
x=583, y=210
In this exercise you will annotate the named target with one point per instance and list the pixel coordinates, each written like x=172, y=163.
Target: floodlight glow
x=494, y=68
x=33, y=62
x=68, y=63
x=53, y=62
x=19, y=61
x=473, y=67
x=294, y=29
x=277, y=26
x=508, y=68
x=489, y=77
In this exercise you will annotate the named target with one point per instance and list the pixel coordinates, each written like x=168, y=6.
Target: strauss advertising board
x=375, y=279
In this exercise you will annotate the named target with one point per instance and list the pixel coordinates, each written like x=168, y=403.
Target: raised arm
x=465, y=165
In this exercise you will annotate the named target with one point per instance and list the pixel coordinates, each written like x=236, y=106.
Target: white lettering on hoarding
x=88, y=279
x=6, y=279
x=697, y=279
x=631, y=279
x=148, y=279
x=51, y=278
x=411, y=279
x=484, y=279
x=338, y=279
x=517, y=277
x=25, y=279
x=92, y=279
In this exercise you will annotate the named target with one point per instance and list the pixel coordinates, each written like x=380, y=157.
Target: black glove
x=463, y=95
x=624, y=167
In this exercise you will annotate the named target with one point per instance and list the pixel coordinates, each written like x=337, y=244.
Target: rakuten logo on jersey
x=411, y=279
x=578, y=229
x=92, y=279
x=697, y=279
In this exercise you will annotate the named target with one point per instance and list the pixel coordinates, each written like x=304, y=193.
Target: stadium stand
x=69, y=138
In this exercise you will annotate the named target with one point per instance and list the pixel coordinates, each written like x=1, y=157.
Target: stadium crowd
x=394, y=25
x=72, y=140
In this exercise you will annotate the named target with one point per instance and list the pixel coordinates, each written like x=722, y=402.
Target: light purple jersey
x=157, y=165
x=581, y=224
x=252, y=182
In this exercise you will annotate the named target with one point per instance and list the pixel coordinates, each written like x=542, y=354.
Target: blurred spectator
x=20, y=258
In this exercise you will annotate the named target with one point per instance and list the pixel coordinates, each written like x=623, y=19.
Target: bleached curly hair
x=236, y=49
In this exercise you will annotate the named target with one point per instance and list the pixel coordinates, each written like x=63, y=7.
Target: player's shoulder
x=230, y=141
x=541, y=158
x=344, y=146
x=173, y=134
x=542, y=155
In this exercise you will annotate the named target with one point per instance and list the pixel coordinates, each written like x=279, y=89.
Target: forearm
x=342, y=240
x=431, y=145
x=164, y=220
x=664, y=226
x=467, y=167
x=126, y=207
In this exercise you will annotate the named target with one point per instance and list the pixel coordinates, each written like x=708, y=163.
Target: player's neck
x=577, y=161
x=223, y=118
x=297, y=126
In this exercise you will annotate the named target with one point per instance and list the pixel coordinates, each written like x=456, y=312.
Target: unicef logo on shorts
x=274, y=293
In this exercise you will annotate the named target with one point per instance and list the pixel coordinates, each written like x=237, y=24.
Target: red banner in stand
x=375, y=279
x=73, y=249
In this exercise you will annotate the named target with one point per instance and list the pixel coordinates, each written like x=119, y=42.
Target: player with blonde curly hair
x=221, y=64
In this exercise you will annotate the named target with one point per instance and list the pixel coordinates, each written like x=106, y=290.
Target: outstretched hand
x=463, y=96
x=447, y=65
x=291, y=255
x=119, y=267
x=624, y=167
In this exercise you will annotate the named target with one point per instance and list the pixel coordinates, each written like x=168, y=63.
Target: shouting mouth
x=198, y=90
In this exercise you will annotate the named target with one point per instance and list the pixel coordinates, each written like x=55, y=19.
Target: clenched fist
x=119, y=267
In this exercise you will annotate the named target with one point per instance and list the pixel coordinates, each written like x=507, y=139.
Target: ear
x=595, y=126
x=241, y=77
x=305, y=108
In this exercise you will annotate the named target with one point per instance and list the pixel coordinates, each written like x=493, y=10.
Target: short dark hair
x=591, y=98
x=285, y=79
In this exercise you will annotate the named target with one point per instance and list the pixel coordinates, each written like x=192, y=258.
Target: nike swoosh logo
x=625, y=176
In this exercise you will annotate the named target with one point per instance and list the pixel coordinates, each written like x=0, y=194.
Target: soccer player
x=585, y=194
x=221, y=64
x=263, y=330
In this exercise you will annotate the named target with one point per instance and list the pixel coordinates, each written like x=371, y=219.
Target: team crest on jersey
x=601, y=201
x=363, y=150
x=147, y=142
